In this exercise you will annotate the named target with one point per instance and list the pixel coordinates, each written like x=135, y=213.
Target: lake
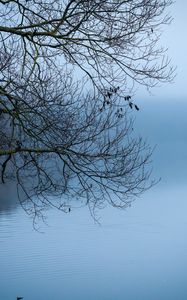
x=139, y=253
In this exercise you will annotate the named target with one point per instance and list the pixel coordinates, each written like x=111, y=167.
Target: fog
x=139, y=253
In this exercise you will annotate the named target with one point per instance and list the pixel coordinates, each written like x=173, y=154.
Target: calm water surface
x=140, y=253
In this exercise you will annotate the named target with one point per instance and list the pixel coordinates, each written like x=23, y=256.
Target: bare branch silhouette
x=67, y=69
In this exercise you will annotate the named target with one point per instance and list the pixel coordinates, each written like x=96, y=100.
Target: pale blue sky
x=175, y=39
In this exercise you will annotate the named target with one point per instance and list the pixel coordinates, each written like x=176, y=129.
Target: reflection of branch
x=4, y=167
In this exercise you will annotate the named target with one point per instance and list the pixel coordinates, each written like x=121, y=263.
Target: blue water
x=139, y=253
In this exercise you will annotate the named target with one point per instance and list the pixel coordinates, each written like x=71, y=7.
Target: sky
x=174, y=38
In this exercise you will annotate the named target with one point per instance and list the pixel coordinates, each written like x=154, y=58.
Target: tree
x=67, y=70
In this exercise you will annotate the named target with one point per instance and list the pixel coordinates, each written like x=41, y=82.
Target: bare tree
x=64, y=126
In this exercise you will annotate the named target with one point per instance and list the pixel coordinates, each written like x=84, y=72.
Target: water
x=140, y=253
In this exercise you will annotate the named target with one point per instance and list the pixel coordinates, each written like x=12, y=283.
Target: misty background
x=139, y=253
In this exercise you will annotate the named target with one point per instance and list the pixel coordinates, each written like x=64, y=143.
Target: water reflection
x=137, y=254
x=140, y=253
x=8, y=198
